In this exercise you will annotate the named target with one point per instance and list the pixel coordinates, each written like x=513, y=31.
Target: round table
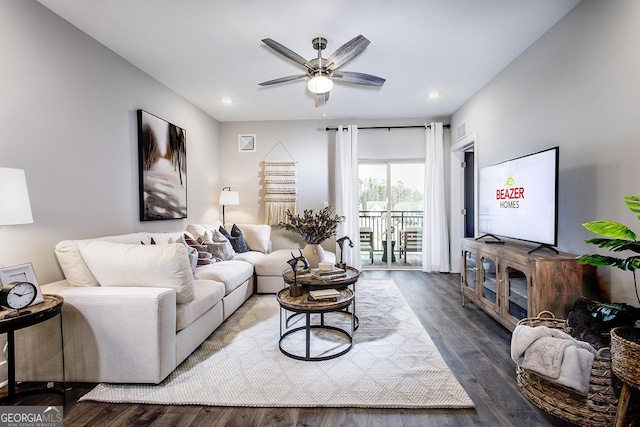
x=303, y=305
x=304, y=278
x=309, y=283
x=11, y=321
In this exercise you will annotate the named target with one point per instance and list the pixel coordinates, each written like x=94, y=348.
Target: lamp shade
x=15, y=207
x=229, y=198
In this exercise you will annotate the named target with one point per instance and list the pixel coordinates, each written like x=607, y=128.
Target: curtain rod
x=389, y=127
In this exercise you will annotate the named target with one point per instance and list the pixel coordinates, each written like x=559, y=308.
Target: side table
x=303, y=305
x=49, y=308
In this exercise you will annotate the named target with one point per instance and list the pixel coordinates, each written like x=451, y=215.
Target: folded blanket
x=554, y=355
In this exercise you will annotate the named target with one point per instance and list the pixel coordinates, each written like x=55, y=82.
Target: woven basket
x=597, y=408
x=625, y=354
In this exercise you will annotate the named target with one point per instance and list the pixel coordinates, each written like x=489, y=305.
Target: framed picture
x=21, y=273
x=246, y=142
x=162, y=154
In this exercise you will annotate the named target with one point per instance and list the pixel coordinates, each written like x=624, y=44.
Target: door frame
x=468, y=143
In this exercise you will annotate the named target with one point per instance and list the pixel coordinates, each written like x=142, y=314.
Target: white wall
x=313, y=147
x=68, y=117
x=576, y=87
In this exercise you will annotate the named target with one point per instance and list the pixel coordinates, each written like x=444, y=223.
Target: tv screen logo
x=509, y=196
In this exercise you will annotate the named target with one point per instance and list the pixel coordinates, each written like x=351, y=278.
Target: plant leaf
x=616, y=245
x=609, y=311
x=610, y=229
x=632, y=263
x=633, y=202
x=597, y=259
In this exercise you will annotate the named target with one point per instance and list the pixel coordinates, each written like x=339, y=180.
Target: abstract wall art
x=162, y=153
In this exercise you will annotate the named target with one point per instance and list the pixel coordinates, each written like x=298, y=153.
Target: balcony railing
x=377, y=222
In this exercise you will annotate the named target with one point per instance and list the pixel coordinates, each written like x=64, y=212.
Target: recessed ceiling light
x=433, y=95
x=226, y=100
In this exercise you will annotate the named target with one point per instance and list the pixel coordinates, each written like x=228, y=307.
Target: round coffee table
x=303, y=305
x=309, y=283
x=305, y=279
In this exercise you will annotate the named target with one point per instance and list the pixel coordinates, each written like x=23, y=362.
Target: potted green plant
x=625, y=341
x=314, y=228
x=617, y=238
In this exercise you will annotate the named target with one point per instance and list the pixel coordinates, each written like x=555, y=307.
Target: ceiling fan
x=321, y=72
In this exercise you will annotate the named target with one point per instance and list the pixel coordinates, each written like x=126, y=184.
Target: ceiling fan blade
x=358, y=78
x=285, y=51
x=347, y=51
x=283, y=79
x=322, y=98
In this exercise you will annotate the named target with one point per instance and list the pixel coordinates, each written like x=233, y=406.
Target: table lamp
x=15, y=207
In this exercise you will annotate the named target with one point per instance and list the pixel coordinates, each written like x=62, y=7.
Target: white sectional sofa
x=133, y=312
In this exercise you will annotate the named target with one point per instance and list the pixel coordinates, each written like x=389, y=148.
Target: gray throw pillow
x=222, y=251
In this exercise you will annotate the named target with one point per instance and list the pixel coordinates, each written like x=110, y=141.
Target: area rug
x=393, y=363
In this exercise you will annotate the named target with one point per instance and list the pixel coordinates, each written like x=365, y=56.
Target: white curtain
x=346, y=191
x=435, y=235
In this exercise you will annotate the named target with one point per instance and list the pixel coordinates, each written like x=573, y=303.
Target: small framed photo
x=246, y=142
x=21, y=273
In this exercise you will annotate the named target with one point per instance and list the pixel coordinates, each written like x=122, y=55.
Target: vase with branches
x=314, y=228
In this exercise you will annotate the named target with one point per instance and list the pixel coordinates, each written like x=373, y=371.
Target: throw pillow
x=237, y=240
x=204, y=257
x=221, y=251
x=257, y=236
x=220, y=247
x=193, y=252
x=158, y=266
x=206, y=238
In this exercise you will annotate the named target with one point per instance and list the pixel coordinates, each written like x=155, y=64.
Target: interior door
x=469, y=198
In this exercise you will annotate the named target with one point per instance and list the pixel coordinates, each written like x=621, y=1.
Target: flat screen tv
x=518, y=199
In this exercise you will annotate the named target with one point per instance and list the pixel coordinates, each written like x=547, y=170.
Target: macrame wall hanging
x=279, y=178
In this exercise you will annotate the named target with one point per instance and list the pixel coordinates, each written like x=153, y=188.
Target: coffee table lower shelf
x=301, y=305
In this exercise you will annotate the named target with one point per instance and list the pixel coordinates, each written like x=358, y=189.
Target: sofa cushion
x=197, y=230
x=164, y=238
x=158, y=266
x=73, y=266
x=273, y=264
x=232, y=273
x=251, y=257
x=206, y=294
x=257, y=236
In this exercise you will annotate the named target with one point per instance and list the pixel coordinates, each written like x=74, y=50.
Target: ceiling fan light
x=320, y=84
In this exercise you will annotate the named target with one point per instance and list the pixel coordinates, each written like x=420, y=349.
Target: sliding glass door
x=391, y=213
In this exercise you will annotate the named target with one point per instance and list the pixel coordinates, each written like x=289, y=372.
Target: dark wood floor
x=475, y=347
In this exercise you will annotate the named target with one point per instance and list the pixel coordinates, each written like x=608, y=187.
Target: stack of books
x=324, y=295
x=335, y=273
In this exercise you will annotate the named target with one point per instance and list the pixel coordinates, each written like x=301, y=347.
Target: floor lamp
x=228, y=198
